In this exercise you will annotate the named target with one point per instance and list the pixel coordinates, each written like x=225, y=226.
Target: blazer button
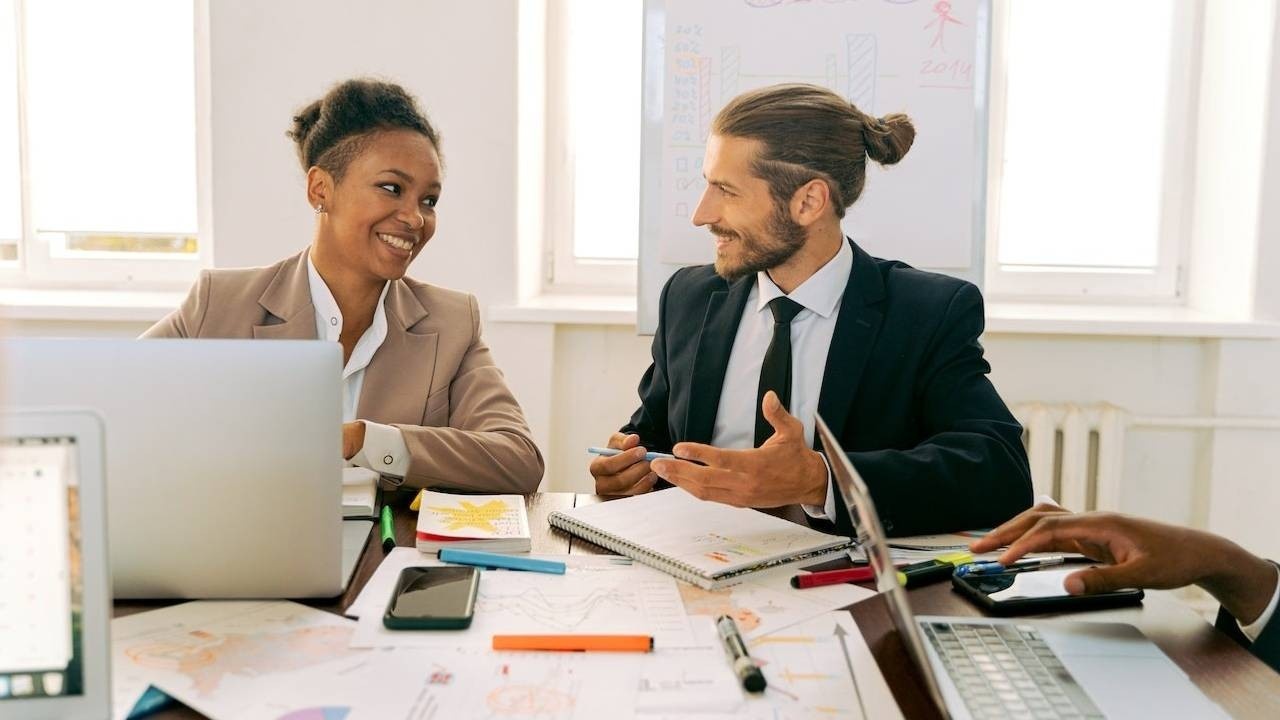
x=388, y=460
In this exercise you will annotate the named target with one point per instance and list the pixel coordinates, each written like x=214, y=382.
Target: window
x=1090, y=148
x=594, y=75
x=98, y=155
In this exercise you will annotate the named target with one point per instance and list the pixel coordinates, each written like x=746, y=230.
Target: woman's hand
x=352, y=438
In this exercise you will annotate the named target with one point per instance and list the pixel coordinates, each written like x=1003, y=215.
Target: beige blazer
x=433, y=377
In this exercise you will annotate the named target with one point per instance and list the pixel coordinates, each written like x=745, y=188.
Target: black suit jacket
x=905, y=390
x=1266, y=647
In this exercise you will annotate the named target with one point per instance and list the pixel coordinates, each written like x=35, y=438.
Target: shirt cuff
x=384, y=450
x=1254, y=629
x=827, y=511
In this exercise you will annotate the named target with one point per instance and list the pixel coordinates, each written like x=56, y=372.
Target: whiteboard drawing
x=730, y=64
x=943, y=11
x=862, y=71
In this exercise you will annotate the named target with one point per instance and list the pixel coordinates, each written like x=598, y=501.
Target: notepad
x=359, y=492
x=493, y=523
x=705, y=543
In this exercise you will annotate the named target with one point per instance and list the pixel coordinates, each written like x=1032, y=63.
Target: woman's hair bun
x=328, y=132
x=304, y=122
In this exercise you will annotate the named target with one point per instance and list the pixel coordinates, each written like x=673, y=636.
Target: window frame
x=1166, y=282
x=563, y=272
x=42, y=265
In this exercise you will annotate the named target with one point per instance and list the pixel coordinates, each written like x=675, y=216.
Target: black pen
x=743, y=666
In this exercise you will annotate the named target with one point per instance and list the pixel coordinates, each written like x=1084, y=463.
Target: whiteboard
x=925, y=58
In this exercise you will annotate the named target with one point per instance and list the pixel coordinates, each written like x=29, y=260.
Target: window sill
x=90, y=305
x=1007, y=318
x=1003, y=318
x=569, y=310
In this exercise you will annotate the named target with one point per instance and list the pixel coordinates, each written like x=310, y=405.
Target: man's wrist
x=1241, y=581
x=817, y=494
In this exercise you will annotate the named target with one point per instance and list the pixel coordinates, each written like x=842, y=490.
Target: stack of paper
x=359, y=492
x=494, y=523
x=281, y=660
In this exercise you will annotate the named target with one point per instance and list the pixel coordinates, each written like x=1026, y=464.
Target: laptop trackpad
x=1127, y=675
x=355, y=533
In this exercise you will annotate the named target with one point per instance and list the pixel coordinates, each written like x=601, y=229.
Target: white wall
x=459, y=58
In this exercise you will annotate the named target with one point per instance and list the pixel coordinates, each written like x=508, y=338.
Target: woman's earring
x=319, y=209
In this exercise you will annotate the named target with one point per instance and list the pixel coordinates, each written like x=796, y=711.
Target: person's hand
x=352, y=438
x=782, y=471
x=626, y=473
x=1017, y=527
x=1142, y=553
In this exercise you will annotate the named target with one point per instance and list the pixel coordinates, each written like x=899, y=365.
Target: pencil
x=615, y=643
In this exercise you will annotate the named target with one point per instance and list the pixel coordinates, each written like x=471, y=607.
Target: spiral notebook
x=706, y=543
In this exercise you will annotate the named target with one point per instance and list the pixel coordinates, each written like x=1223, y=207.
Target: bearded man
x=793, y=320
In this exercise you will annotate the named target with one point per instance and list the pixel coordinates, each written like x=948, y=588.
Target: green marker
x=388, y=530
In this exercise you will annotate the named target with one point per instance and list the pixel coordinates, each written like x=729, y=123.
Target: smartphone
x=1035, y=591
x=433, y=598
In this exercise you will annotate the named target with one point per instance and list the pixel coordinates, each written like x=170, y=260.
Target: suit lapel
x=290, y=315
x=715, y=343
x=397, y=380
x=851, y=343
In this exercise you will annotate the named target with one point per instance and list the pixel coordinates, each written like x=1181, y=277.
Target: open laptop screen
x=872, y=539
x=41, y=573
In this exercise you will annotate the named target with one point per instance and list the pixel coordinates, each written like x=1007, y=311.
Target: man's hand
x=626, y=473
x=1140, y=553
x=783, y=471
x=352, y=438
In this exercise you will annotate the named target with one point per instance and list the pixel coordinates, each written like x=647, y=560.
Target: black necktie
x=775, y=373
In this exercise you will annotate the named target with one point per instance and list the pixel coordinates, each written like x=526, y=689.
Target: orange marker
x=579, y=643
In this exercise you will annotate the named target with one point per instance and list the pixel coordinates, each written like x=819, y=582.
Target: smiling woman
x=423, y=402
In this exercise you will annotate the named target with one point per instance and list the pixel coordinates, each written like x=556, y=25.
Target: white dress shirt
x=384, y=450
x=1254, y=629
x=811, y=332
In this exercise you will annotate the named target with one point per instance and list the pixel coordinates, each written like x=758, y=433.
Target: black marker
x=743, y=666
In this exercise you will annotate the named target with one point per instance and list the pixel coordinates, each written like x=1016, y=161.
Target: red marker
x=833, y=577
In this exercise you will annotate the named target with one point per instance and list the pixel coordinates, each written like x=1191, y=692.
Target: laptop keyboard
x=1006, y=670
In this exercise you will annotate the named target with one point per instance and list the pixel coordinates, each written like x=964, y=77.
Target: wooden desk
x=1223, y=670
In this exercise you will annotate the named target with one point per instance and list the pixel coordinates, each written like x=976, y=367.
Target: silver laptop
x=997, y=668
x=55, y=601
x=223, y=459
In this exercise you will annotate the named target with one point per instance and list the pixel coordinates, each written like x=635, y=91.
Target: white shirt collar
x=329, y=321
x=820, y=293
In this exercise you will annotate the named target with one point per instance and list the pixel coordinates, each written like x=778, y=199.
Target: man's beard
x=783, y=238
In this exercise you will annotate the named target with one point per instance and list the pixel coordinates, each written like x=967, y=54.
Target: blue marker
x=498, y=560
x=984, y=568
x=610, y=452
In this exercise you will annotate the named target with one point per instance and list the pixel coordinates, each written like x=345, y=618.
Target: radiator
x=1076, y=452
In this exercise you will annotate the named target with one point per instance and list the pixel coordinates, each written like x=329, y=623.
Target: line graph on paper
x=599, y=599
x=562, y=611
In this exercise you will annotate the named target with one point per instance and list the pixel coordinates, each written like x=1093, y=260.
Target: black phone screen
x=1029, y=591
x=439, y=592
